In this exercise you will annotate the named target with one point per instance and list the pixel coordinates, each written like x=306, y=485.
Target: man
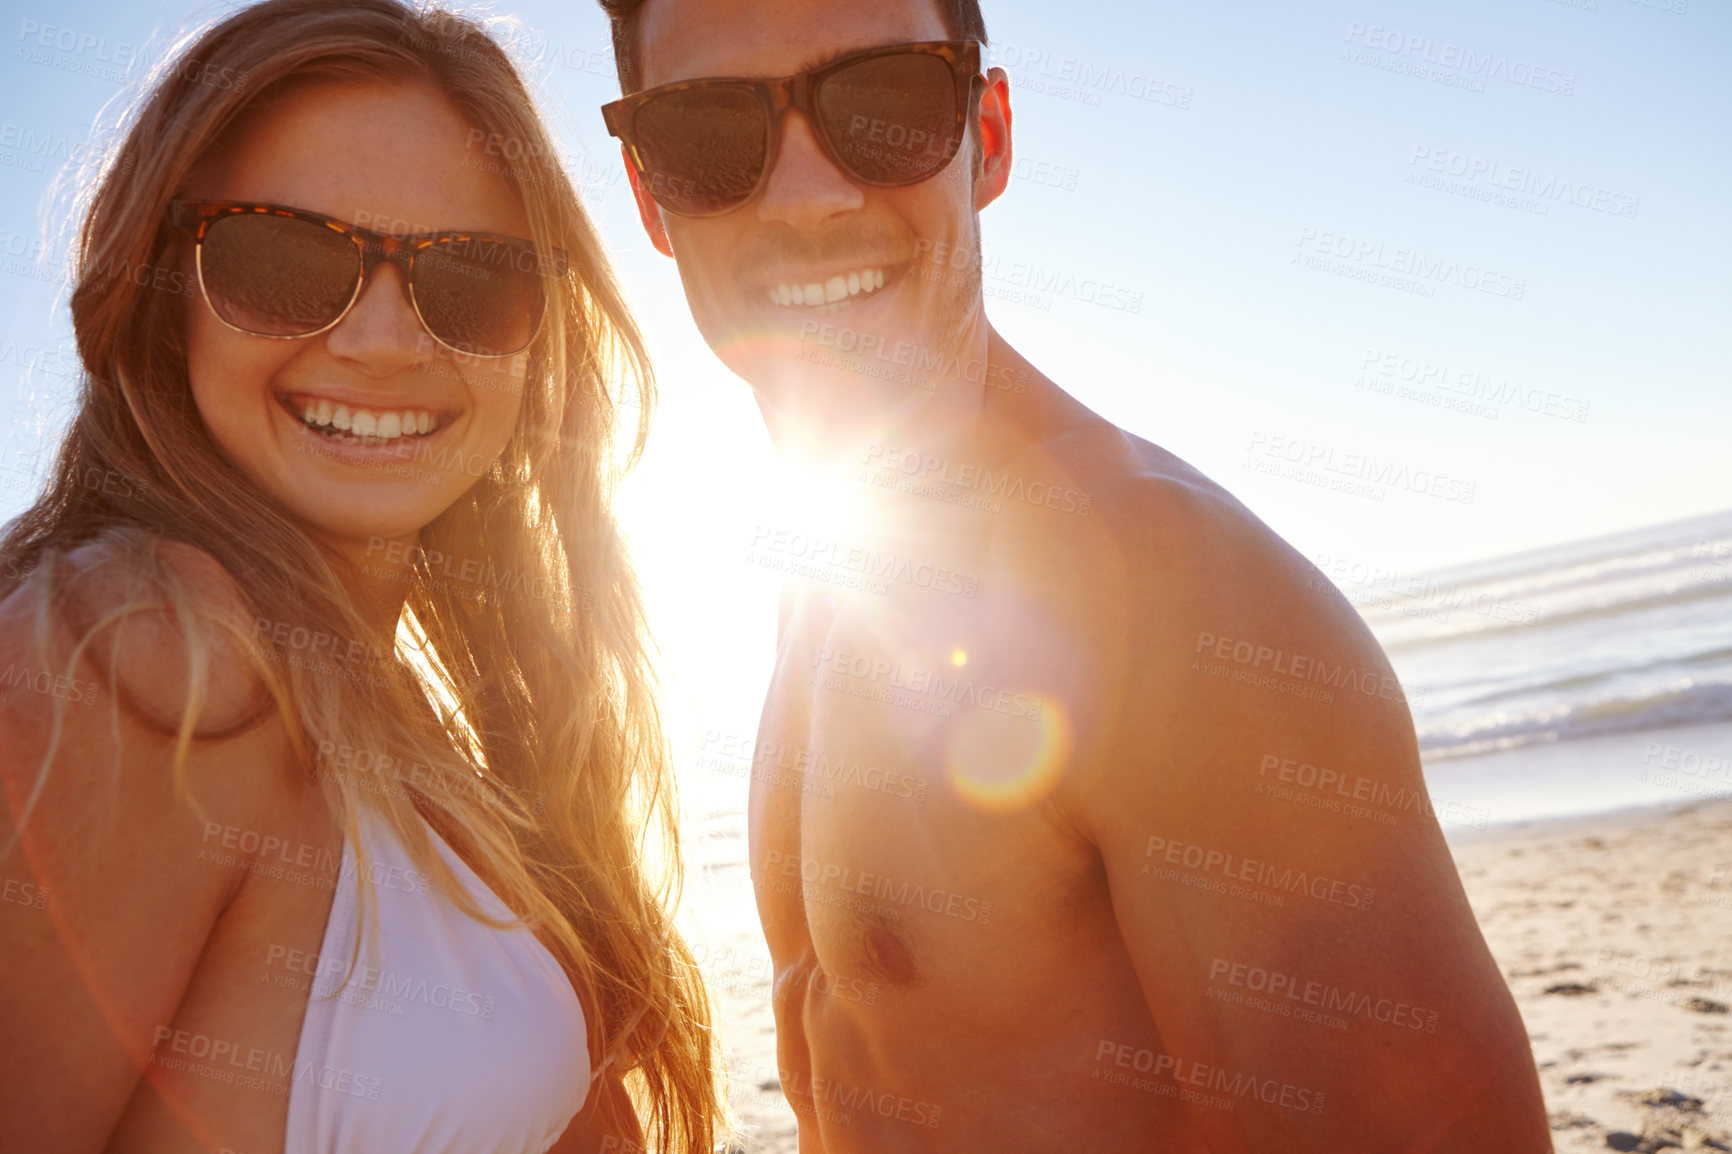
x=1103, y=826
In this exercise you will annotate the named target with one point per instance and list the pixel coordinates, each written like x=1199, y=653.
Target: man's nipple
x=889, y=954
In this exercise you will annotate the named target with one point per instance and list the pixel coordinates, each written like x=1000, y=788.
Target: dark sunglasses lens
x=275, y=275
x=891, y=119
x=702, y=148
x=479, y=296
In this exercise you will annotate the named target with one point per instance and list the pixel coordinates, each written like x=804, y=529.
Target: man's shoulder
x=1216, y=641
x=1158, y=557
x=1176, y=532
x=1200, y=598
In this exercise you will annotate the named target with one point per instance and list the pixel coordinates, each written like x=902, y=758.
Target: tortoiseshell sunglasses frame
x=197, y=216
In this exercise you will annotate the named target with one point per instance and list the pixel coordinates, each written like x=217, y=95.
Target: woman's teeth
x=363, y=426
x=831, y=294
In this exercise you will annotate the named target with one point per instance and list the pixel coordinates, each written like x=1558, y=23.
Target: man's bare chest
x=902, y=794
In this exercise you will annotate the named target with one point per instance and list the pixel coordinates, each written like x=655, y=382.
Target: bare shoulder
x=1183, y=532
x=1220, y=618
x=156, y=630
x=96, y=662
x=1187, y=548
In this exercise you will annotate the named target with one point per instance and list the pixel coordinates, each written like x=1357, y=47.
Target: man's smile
x=816, y=292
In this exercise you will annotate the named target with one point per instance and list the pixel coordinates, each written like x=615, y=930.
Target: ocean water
x=1625, y=636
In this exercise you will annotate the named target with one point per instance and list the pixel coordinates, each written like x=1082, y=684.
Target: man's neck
x=884, y=481
x=817, y=428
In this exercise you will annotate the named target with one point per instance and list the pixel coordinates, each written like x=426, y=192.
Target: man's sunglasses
x=887, y=117
x=282, y=272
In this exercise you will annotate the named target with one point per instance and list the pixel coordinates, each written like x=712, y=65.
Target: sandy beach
x=1613, y=931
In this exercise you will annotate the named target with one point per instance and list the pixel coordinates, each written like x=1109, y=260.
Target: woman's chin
x=363, y=531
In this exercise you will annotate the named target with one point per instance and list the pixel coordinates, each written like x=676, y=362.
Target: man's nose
x=806, y=189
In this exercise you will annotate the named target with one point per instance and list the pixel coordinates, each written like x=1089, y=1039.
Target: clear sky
x=1465, y=261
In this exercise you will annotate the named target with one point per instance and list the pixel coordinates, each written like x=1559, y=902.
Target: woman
x=328, y=744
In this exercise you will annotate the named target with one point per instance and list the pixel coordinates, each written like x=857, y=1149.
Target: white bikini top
x=451, y=1037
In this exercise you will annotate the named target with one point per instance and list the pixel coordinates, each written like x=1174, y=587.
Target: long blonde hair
x=532, y=700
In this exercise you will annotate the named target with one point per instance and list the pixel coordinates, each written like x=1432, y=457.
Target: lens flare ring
x=1001, y=763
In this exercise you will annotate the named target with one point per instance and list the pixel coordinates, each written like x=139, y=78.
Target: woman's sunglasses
x=281, y=272
x=887, y=117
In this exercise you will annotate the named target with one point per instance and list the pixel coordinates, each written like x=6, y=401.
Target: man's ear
x=647, y=210
x=995, y=151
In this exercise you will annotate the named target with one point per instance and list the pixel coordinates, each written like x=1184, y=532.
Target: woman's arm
x=119, y=906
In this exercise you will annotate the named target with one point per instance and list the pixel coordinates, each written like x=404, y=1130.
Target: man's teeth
x=837, y=288
x=364, y=426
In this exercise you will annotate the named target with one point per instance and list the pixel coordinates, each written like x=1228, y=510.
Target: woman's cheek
x=497, y=396
x=230, y=376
